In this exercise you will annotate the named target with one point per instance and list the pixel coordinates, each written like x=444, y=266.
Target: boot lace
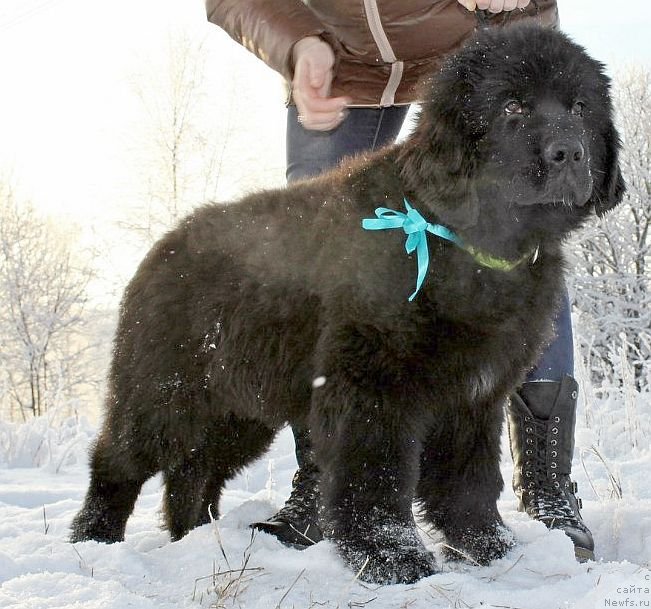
x=552, y=507
x=545, y=497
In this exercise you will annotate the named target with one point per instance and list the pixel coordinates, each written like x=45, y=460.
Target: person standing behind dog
x=354, y=68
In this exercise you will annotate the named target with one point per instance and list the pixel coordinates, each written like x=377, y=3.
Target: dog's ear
x=610, y=191
x=438, y=161
x=441, y=179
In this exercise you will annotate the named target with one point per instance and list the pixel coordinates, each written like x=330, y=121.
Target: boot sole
x=583, y=554
x=288, y=534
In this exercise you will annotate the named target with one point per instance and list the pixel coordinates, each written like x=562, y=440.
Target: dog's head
x=520, y=113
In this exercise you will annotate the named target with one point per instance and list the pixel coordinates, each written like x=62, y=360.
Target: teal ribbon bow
x=416, y=229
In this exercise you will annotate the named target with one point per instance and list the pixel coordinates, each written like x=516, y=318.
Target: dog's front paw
x=387, y=566
x=481, y=545
x=382, y=558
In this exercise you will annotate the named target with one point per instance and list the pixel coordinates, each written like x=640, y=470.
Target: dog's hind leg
x=117, y=476
x=243, y=441
x=185, y=485
x=194, y=480
x=460, y=482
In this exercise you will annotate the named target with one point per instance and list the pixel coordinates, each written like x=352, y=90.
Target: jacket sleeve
x=267, y=28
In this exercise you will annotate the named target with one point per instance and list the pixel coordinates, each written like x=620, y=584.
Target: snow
x=43, y=478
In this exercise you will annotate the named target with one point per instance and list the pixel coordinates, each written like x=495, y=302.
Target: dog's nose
x=564, y=152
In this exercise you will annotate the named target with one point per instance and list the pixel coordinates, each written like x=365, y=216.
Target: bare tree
x=184, y=140
x=207, y=133
x=612, y=259
x=42, y=318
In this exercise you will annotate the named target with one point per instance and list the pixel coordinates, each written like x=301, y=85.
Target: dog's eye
x=578, y=108
x=514, y=107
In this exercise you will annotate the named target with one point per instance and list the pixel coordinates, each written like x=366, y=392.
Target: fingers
x=320, y=121
x=313, y=62
x=494, y=6
x=319, y=113
x=316, y=110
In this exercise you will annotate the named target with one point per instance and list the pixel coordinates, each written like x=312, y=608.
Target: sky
x=68, y=110
x=617, y=36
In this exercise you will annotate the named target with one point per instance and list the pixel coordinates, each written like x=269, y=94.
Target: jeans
x=312, y=152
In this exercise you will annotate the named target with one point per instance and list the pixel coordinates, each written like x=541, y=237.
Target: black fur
x=233, y=314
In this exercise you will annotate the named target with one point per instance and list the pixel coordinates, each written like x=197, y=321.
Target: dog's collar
x=416, y=229
x=500, y=264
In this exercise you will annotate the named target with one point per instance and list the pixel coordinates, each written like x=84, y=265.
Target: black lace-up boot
x=541, y=419
x=295, y=524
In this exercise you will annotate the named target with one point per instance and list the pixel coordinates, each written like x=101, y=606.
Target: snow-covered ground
x=43, y=477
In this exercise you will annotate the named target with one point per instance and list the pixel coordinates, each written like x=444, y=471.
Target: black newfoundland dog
x=234, y=314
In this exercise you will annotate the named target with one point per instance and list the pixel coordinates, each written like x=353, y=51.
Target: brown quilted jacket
x=383, y=47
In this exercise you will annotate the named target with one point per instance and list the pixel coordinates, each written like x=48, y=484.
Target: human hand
x=313, y=62
x=494, y=6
